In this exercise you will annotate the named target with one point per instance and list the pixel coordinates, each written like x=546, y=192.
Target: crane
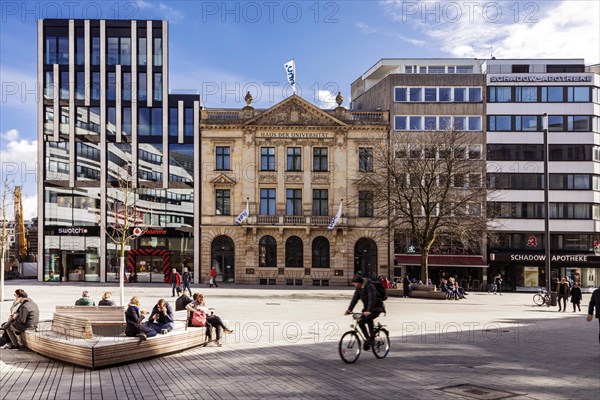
x=20, y=236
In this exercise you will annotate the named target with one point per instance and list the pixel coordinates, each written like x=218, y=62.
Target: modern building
x=503, y=102
x=519, y=93
x=292, y=165
x=429, y=95
x=106, y=113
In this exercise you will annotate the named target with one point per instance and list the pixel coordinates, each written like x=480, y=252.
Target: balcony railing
x=279, y=219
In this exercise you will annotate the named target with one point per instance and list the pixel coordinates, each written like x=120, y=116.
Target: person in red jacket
x=213, y=277
x=175, y=281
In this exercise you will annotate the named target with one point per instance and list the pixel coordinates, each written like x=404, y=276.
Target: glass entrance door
x=148, y=268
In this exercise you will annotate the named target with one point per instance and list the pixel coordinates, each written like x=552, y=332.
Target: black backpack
x=381, y=292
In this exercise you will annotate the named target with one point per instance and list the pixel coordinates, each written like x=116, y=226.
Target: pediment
x=222, y=179
x=294, y=111
x=366, y=181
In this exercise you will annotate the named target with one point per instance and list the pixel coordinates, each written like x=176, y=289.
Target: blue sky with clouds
x=224, y=48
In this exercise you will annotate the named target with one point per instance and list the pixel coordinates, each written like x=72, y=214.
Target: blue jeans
x=157, y=326
x=186, y=286
x=174, y=288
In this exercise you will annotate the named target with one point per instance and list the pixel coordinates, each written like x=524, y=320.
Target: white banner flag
x=243, y=215
x=336, y=218
x=290, y=71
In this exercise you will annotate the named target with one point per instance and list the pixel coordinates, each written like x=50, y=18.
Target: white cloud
x=11, y=134
x=30, y=206
x=170, y=13
x=565, y=29
x=326, y=99
x=364, y=28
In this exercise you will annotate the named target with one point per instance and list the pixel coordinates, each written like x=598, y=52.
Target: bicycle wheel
x=538, y=299
x=381, y=343
x=349, y=347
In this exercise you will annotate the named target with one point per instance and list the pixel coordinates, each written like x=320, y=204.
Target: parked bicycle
x=542, y=297
x=350, y=345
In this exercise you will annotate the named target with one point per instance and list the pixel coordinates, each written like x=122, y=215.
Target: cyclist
x=373, y=306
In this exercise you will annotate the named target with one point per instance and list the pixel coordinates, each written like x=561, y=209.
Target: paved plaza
x=284, y=345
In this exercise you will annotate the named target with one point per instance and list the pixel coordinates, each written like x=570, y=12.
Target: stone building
x=291, y=165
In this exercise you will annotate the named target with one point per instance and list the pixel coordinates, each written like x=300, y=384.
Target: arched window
x=294, y=249
x=267, y=252
x=365, y=258
x=320, y=252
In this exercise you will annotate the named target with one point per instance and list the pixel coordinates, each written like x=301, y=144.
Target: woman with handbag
x=202, y=316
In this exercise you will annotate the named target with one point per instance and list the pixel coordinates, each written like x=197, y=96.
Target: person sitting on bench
x=212, y=320
x=161, y=317
x=134, y=317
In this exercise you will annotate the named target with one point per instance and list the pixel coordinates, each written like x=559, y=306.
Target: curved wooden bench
x=426, y=294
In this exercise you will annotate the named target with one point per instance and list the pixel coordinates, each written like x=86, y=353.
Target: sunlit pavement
x=285, y=339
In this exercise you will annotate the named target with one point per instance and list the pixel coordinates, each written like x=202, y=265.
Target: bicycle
x=542, y=297
x=350, y=345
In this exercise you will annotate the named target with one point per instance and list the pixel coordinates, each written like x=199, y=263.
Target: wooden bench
x=69, y=338
x=426, y=292
x=105, y=320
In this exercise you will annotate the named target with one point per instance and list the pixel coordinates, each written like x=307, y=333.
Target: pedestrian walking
x=594, y=304
x=175, y=281
x=213, y=277
x=563, y=291
x=576, y=296
x=27, y=318
x=187, y=279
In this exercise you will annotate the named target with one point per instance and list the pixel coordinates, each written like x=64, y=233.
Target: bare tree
x=7, y=191
x=429, y=184
x=126, y=214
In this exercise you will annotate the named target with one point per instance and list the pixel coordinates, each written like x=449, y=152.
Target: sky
x=222, y=49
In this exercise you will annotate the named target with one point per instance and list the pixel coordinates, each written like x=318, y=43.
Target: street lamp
x=546, y=205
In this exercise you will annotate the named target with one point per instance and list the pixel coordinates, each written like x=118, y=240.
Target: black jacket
x=181, y=302
x=162, y=318
x=28, y=316
x=186, y=277
x=134, y=318
x=368, y=294
x=595, y=302
x=575, y=295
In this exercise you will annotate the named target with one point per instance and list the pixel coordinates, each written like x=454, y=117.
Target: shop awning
x=443, y=261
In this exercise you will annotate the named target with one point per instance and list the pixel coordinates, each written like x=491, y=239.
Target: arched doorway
x=365, y=258
x=320, y=252
x=294, y=249
x=222, y=256
x=267, y=252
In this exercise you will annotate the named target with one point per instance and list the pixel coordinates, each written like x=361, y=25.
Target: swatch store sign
x=76, y=231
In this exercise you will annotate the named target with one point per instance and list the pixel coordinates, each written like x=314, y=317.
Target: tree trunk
x=425, y=265
x=122, y=277
x=2, y=276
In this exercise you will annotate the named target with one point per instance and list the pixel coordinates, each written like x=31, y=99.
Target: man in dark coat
x=27, y=318
x=372, y=306
x=594, y=303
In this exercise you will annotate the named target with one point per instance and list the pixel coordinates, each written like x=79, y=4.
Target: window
x=400, y=123
x=445, y=94
x=460, y=153
x=156, y=122
x=460, y=123
x=320, y=162
x=293, y=202
x=578, y=94
x=294, y=159
x=188, y=121
x=95, y=50
x=113, y=51
x=515, y=152
x=520, y=69
x=267, y=158
x=320, y=202
x=430, y=123
x=111, y=120
x=475, y=94
x=436, y=69
x=126, y=86
x=173, y=121
x=556, y=123
x=49, y=86
x=141, y=83
x=415, y=123
x=365, y=159
x=79, y=85
x=142, y=49
x=526, y=123
x=474, y=123
x=50, y=50
x=415, y=94
x=63, y=50
x=365, y=204
x=553, y=94
x=64, y=85
x=267, y=201
x=570, y=210
x=445, y=123
x=223, y=202
x=223, y=158
x=79, y=49
x=87, y=121
x=400, y=94
x=475, y=181
x=430, y=94
x=459, y=180
x=500, y=94
x=143, y=121
x=578, y=123
x=475, y=152
x=571, y=152
x=464, y=69
x=157, y=82
x=126, y=121
x=125, y=51
x=95, y=86
x=460, y=94
x=320, y=252
x=526, y=94
x=267, y=252
x=515, y=181
x=294, y=249
x=111, y=86
x=157, y=50
x=570, y=182
x=499, y=123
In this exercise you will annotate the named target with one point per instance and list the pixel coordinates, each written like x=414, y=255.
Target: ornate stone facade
x=292, y=165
